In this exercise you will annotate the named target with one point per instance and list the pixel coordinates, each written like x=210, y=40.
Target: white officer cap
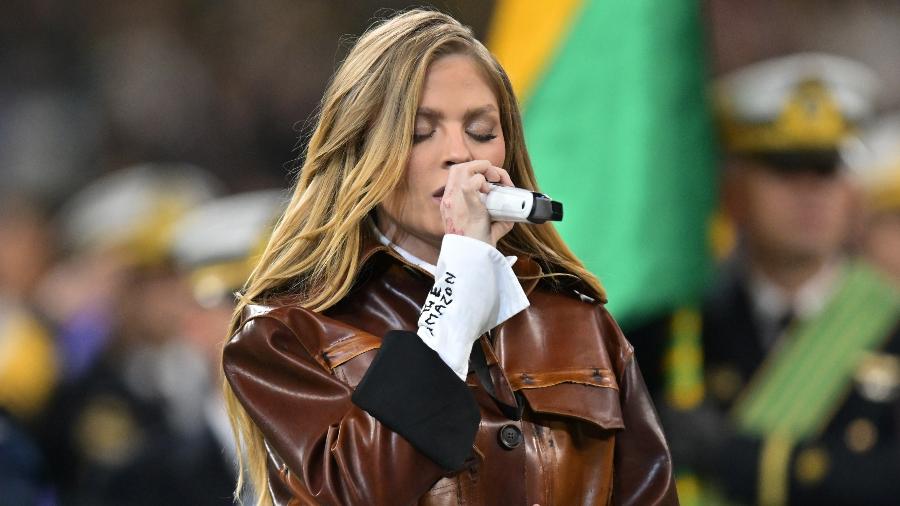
x=806, y=102
x=216, y=243
x=873, y=158
x=134, y=209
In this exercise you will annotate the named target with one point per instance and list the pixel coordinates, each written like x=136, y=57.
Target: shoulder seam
x=317, y=357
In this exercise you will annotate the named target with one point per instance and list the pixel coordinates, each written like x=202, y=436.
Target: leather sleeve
x=643, y=467
x=340, y=453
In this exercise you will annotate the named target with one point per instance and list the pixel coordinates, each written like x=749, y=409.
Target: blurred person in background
x=110, y=230
x=28, y=362
x=214, y=247
x=386, y=352
x=875, y=160
x=118, y=301
x=800, y=341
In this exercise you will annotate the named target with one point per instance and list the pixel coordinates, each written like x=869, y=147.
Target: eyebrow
x=433, y=114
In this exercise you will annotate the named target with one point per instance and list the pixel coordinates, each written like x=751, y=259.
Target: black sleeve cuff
x=410, y=390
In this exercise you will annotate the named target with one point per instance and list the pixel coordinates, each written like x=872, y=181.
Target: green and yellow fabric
x=683, y=360
x=795, y=393
x=795, y=389
x=618, y=128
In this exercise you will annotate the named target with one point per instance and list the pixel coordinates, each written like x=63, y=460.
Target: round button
x=509, y=436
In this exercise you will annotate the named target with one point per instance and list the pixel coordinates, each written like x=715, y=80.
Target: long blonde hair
x=355, y=159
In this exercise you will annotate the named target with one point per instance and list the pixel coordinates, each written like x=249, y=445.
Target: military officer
x=28, y=363
x=782, y=123
x=134, y=391
x=214, y=247
x=801, y=350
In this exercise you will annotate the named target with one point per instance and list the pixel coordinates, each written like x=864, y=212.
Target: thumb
x=500, y=229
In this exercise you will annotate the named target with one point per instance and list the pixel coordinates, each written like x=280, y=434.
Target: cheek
x=495, y=152
x=412, y=191
x=420, y=170
x=393, y=204
x=841, y=200
x=772, y=199
x=758, y=204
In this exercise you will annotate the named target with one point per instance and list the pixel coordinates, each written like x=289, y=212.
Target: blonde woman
x=394, y=346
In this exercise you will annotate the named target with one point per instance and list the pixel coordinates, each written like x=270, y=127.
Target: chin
x=434, y=229
x=808, y=253
x=436, y=236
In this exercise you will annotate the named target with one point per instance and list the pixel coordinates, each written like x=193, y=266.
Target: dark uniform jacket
x=356, y=409
x=855, y=460
x=108, y=445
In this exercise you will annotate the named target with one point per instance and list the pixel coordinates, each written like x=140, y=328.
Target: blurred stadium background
x=229, y=88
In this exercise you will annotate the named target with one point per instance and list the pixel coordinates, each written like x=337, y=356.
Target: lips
x=439, y=193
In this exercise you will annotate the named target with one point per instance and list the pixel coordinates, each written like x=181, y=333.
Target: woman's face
x=457, y=121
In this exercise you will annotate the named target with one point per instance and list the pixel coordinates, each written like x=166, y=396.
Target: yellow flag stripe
x=525, y=34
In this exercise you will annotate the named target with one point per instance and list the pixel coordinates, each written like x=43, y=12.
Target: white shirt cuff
x=475, y=290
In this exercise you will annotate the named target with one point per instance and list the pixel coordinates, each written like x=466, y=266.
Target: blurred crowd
x=110, y=355
x=115, y=280
x=144, y=149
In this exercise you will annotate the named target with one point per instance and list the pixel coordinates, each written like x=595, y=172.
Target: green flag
x=618, y=128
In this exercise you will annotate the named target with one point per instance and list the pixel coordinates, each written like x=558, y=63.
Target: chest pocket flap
x=590, y=394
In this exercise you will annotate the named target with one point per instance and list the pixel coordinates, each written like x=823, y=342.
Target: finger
x=505, y=179
x=471, y=167
x=491, y=172
x=462, y=172
x=477, y=182
x=500, y=229
x=494, y=174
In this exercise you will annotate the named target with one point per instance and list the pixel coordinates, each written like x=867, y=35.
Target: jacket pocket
x=589, y=394
x=350, y=357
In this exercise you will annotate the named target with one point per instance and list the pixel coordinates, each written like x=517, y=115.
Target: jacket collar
x=526, y=269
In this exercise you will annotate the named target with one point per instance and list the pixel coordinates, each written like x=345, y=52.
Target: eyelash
x=484, y=138
x=417, y=138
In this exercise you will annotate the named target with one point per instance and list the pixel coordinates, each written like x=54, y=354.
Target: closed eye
x=482, y=137
x=417, y=137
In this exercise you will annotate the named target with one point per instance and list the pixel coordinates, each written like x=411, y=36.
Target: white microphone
x=507, y=203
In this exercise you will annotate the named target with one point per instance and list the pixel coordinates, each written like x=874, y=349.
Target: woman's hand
x=462, y=209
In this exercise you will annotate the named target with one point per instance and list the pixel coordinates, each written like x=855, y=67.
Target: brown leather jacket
x=587, y=432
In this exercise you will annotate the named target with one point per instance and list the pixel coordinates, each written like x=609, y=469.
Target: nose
x=456, y=149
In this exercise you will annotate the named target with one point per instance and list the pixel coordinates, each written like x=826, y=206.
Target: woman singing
x=394, y=346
